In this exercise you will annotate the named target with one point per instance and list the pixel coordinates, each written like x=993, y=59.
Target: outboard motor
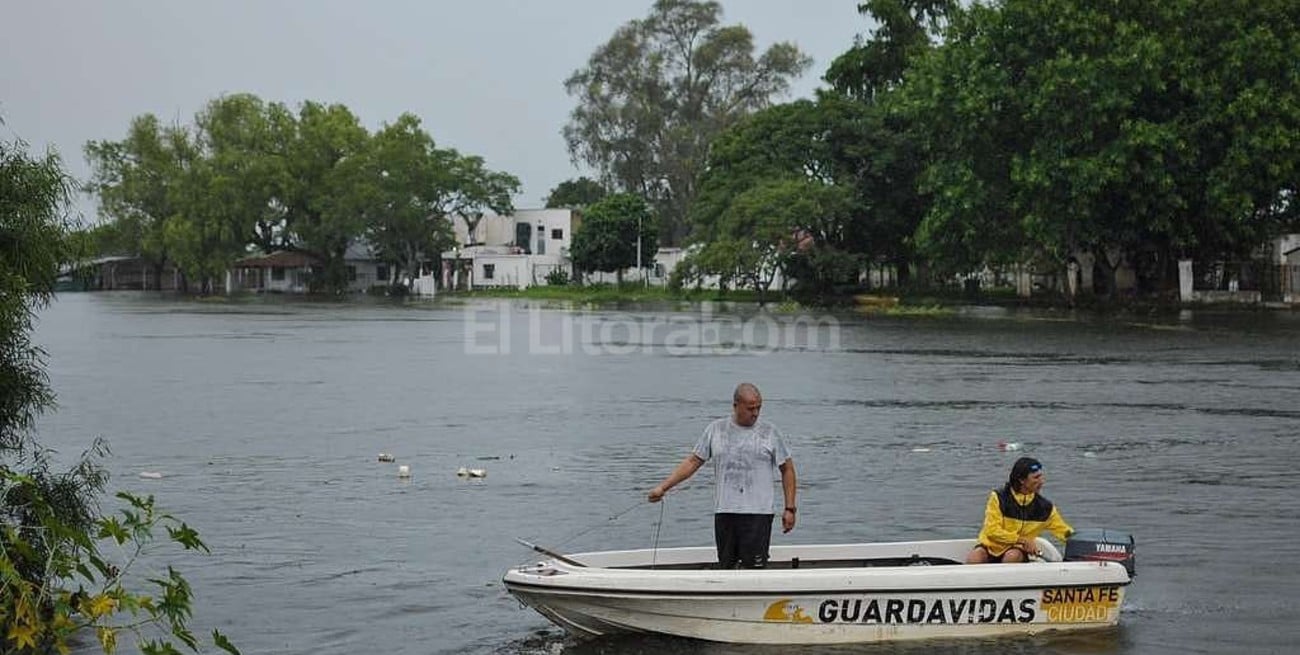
x=1102, y=546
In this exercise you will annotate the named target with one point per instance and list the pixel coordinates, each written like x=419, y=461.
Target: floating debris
x=151, y=475
x=920, y=449
x=1089, y=454
x=471, y=473
x=386, y=457
x=1008, y=446
x=403, y=471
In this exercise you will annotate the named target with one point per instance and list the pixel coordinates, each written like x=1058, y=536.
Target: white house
x=517, y=250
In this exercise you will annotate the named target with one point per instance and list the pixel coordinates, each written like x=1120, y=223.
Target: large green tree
x=1059, y=126
x=137, y=181
x=651, y=100
x=612, y=233
x=412, y=190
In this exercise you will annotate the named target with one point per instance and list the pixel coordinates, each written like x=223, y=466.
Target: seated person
x=1014, y=517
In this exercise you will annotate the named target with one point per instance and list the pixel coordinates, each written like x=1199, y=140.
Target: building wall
x=1287, y=244
x=498, y=230
x=501, y=271
x=363, y=275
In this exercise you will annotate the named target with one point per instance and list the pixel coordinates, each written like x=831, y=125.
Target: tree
x=770, y=224
x=652, y=99
x=575, y=194
x=612, y=232
x=55, y=579
x=137, y=182
x=905, y=30
x=1062, y=126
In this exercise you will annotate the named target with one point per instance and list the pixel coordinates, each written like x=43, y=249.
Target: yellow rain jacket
x=1010, y=517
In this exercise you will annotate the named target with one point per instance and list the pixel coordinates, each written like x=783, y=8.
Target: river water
x=265, y=418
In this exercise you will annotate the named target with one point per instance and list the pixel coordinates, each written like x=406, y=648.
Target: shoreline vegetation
x=915, y=303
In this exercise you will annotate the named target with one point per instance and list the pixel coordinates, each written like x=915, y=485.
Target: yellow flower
x=100, y=605
x=23, y=635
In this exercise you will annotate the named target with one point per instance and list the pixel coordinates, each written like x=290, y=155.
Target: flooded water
x=266, y=417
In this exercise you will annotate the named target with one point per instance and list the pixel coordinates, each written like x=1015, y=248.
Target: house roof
x=278, y=259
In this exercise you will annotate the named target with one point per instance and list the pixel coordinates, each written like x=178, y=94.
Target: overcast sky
x=485, y=76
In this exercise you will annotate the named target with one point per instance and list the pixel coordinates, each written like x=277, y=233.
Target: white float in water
x=471, y=473
x=386, y=457
x=151, y=475
x=1008, y=446
x=920, y=449
x=403, y=471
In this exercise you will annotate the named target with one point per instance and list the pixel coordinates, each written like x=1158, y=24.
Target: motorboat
x=831, y=593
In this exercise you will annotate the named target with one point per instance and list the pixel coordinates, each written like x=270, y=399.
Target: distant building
x=290, y=271
x=117, y=273
x=517, y=250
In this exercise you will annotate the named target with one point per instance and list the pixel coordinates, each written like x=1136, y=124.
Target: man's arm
x=686, y=469
x=789, y=483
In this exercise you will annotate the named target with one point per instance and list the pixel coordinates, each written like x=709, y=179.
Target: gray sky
x=486, y=76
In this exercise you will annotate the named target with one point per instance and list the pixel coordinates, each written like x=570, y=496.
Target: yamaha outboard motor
x=1102, y=546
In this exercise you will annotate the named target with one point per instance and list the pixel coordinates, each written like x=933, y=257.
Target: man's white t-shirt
x=745, y=461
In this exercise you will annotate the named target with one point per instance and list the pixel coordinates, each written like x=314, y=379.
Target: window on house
x=659, y=270
x=489, y=270
x=352, y=274
x=541, y=228
x=277, y=274
x=557, y=234
x=381, y=272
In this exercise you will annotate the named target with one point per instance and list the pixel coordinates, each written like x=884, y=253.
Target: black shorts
x=742, y=540
x=996, y=559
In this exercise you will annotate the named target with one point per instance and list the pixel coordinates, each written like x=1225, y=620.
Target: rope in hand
x=654, y=554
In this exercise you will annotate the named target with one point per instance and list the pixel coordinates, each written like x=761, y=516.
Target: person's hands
x=656, y=494
x=1028, y=546
x=787, y=520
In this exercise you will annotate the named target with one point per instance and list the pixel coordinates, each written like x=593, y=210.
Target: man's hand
x=787, y=520
x=656, y=494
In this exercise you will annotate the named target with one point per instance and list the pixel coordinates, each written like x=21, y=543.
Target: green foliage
x=576, y=194
x=63, y=564
x=610, y=233
x=904, y=32
x=652, y=99
x=64, y=569
x=33, y=244
x=1056, y=126
x=256, y=175
x=558, y=277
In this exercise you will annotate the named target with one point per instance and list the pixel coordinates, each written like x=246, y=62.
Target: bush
x=58, y=571
x=558, y=277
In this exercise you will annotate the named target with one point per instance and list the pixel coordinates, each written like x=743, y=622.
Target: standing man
x=746, y=454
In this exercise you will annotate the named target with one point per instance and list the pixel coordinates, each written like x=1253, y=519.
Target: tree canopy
x=611, y=232
x=1055, y=126
x=576, y=194
x=256, y=175
x=651, y=100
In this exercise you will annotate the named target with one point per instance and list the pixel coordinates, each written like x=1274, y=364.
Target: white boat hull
x=829, y=605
